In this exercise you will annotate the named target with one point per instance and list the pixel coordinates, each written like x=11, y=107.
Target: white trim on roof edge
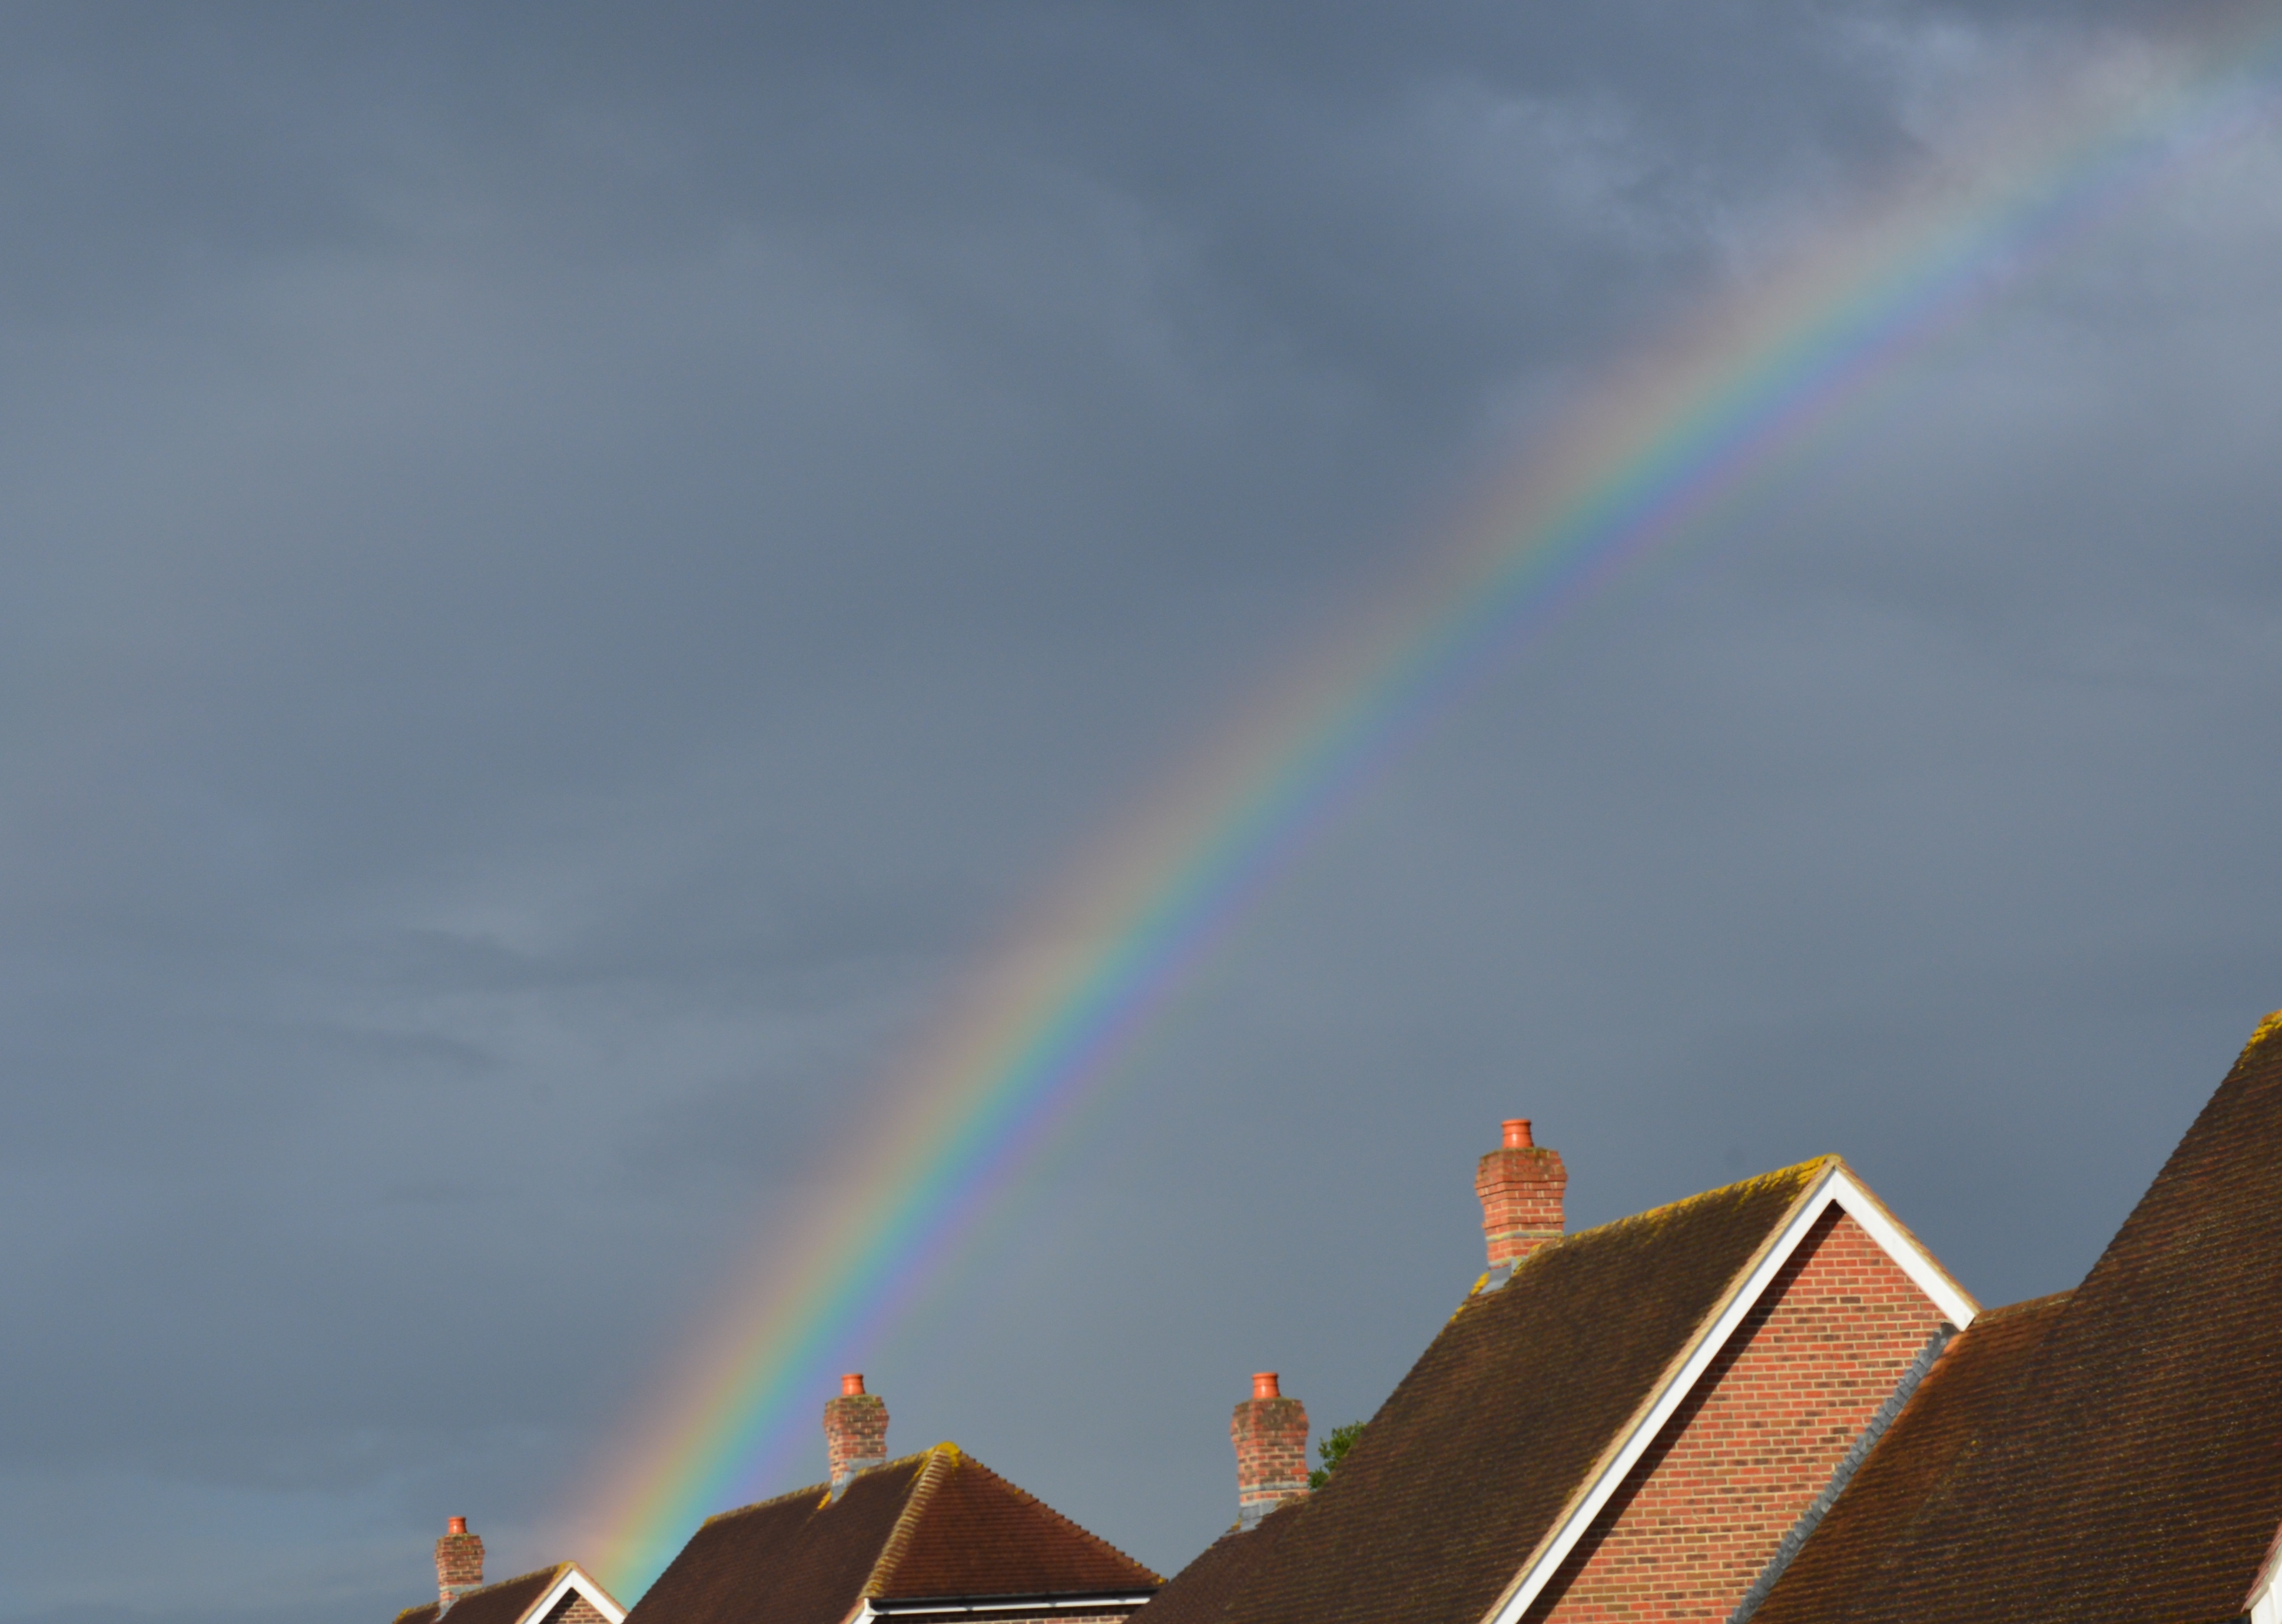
x=1098, y=1600
x=1835, y=1185
x=574, y=1577
x=2263, y=1604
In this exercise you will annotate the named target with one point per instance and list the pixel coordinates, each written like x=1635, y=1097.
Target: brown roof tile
x=2136, y=1474
x=1503, y=1420
x=795, y=1559
x=972, y=1533
x=1202, y=1591
x=504, y=1603
x=938, y=1524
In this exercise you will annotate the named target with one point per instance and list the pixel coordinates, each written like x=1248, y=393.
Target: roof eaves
x=1832, y=1182
x=1043, y=1601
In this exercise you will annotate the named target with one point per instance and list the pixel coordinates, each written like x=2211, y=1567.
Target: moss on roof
x=1502, y=1423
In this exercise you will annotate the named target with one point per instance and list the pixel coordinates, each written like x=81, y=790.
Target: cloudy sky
x=564, y=570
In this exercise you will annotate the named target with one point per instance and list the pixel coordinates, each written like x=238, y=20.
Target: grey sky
x=564, y=570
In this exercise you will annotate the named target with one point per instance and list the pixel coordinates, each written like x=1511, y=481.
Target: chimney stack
x=1270, y=1434
x=1521, y=1184
x=459, y=1564
x=855, y=1432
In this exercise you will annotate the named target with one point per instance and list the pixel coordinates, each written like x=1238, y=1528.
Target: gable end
x=575, y=1585
x=1834, y=1187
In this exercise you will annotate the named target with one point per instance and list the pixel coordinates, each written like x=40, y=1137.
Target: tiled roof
x=1963, y=1397
x=504, y=1603
x=2135, y=1474
x=1199, y=1594
x=972, y=1533
x=1501, y=1424
x=932, y=1524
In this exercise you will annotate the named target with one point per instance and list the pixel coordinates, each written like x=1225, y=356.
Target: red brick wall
x=1703, y=1510
x=576, y=1609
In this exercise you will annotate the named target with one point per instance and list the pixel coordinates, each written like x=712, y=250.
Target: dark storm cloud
x=564, y=571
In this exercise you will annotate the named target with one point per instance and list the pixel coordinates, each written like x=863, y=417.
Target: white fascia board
x=2263, y=1604
x=1834, y=1185
x=1855, y=1199
x=866, y=1613
x=1035, y=1604
x=575, y=1578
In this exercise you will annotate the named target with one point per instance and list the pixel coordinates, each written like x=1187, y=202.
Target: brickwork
x=1523, y=1187
x=854, y=1429
x=1270, y=1434
x=1704, y=1510
x=576, y=1609
x=458, y=1562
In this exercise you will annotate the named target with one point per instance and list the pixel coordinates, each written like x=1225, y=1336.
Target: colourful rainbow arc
x=1642, y=463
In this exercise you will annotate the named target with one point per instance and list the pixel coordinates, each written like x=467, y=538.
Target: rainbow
x=1660, y=451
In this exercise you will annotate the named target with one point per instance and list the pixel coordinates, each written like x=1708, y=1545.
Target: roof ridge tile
x=1805, y=1172
x=942, y=1460
x=813, y=1491
x=2268, y=1026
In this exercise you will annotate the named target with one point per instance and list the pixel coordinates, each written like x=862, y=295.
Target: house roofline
x=1835, y=1185
x=574, y=1577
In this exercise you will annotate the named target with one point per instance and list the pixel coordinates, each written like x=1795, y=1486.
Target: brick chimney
x=1521, y=1184
x=855, y=1432
x=1270, y=1434
x=459, y=1564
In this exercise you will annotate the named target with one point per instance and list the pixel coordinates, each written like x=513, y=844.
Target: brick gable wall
x=576, y=1609
x=1704, y=1509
